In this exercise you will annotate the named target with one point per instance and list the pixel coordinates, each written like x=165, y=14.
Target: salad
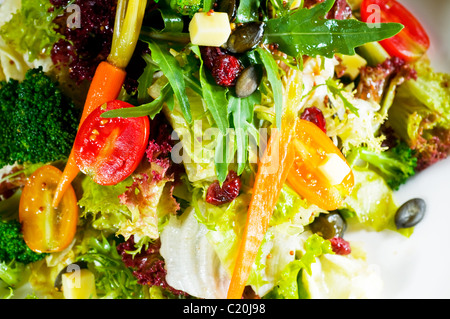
x=201, y=149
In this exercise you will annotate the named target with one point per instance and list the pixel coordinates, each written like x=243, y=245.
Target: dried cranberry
x=340, y=246
x=209, y=55
x=224, y=67
x=217, y=195
x=315, y=115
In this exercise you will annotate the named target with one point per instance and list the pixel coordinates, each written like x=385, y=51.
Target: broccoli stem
x=406, y=119
x=128, y=22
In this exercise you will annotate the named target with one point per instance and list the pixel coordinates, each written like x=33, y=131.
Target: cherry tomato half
x=47, y=229
x=312, y=149
x=410, y=43
x=110, y=149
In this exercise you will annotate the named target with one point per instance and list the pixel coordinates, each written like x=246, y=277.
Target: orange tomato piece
x=312, y=146
x=47, y=229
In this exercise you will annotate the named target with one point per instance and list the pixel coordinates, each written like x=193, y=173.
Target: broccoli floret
x=13, y=246
x=12, y=273
x=396, y=165
x=39, y=123
x=420, y=114
x=186, y=7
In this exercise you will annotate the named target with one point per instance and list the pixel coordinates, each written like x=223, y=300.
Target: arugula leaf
x=223, y=154
x=241, y=110
x=248, y=11
x=146, y=79
x=148, y=109
x=306, y=31
x=214, y=95
x=174, y=73
x=274, y=80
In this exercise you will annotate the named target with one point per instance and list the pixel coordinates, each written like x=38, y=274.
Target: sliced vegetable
x=110, y=74
x=412, y=42
x=269, y=180
x=109, y=150
x=44, y=227
x=320, y=173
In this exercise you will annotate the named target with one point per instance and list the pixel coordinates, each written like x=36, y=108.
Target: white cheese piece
x=334, y=169
x=79, y=284
x=209, y=28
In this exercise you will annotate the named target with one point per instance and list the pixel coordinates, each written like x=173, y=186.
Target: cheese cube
x=79, y=285
x=334, y=168
x=209, y=28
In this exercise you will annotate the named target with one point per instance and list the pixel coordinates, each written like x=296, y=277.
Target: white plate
x=418, y=267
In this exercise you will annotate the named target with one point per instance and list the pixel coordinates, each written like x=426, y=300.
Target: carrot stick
x=105, y=87
x=270, y=177
x=268, y=183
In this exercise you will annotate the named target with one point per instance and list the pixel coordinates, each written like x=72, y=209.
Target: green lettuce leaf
x=290, y=205
x=225, y=223
x=288, y=287
x=31, y=29
x=372, y=202
x=197, y=155
x=102, y=203
x=149, y=200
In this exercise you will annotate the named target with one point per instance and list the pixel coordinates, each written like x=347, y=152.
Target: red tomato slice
x=312, y=148
x=410, y=43
x=47, y=229
x=110, y=149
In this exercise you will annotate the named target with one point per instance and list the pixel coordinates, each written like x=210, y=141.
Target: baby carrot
x=109, y=75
